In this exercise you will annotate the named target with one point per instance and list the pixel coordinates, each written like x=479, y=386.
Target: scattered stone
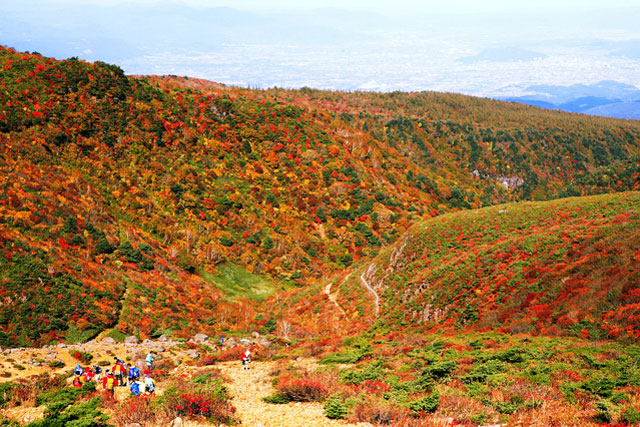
x=131, y=340
x=108, y=340
x=265, y=343
x=177, y=422
x=62, y=345
x=200, y=337
x=193, y=354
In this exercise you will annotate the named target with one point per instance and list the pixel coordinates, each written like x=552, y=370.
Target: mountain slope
x=561, y=267
x=161, y=202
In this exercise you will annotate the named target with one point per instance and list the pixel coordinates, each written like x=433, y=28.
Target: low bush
x=231, y=354
x=425, y=404
x=85, y=414
x=276, y=399
x=630, y=416
x=378, y=413
x=81, y=356
x=303, y=390
x=335, y=408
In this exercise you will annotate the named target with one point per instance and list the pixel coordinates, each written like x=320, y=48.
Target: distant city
x=551, y=63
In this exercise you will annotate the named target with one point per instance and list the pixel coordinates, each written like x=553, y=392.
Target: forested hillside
x=166, y=205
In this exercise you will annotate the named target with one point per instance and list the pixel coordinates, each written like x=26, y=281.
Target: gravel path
x=249, y=387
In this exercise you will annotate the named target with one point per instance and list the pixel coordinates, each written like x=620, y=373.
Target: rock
x=193, y=354
x=108, y=340
x=256, y=335
x=163, y=338
x=147, y=341
x=177, y=422
x=265, y=342
x=62, y=345
x=200, y=337
x=230, y=342
x=131, y=340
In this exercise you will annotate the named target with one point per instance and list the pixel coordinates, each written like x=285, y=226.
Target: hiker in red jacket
x=119, y=371
x=109, y=383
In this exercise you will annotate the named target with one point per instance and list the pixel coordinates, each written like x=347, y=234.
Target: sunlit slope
x=568, y=266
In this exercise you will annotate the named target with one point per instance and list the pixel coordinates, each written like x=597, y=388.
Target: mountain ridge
x=139, y=195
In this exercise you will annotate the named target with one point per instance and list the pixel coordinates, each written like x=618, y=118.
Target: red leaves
x=62, y=244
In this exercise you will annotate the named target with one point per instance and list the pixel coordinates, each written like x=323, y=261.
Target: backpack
x=150, y=386
x=132, y=372
x=135, y=389
x=97, y=369
x=110, y=381
x=77, y=370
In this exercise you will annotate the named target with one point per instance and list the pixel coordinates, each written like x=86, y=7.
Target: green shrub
x=276, y=398
x=603, y=409
x=335, y=408
x=630, y=416
x=351, y=355
x=424, y=404
x=602, y=387
x=6, y=391
x=440, y=370
x=86, y=414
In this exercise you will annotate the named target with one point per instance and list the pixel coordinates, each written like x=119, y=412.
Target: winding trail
x=373, y=291
x=247, y=389
x=333, y=298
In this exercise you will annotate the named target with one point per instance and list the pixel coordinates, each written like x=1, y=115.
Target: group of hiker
x=116, y=375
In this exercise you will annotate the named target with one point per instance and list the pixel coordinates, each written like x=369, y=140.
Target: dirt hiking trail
x=250, y=386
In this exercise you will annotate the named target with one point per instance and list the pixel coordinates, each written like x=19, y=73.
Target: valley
x=412, y=259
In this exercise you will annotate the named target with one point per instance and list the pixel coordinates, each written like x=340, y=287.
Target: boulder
x=194, y=354
x=108, y=340
x=163, y=338
x=200, y=337
x=62, y=345
x=177, y=422
x=255, y=334
x=265, y=342
x=230, y=342
x=131, y=340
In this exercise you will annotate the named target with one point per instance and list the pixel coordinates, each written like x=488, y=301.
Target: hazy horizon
x=496, y=48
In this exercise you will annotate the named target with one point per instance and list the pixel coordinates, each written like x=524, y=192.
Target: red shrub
x=205, y=405
x=233, y=353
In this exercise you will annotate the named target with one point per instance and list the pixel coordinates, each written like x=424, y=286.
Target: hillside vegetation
x=165, y=205
x=567, y=266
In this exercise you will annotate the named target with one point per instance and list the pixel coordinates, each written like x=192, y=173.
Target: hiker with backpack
x=134, y=374
x=136, y=388
x=149, y=385
x=77, y=382
x=149, y=361
x=97, y=370
x=78, y=370
x=246, y=359
x=109, y=383
x=118, y=371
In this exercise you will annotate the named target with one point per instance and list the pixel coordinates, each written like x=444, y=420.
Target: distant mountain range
x=606, y=98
